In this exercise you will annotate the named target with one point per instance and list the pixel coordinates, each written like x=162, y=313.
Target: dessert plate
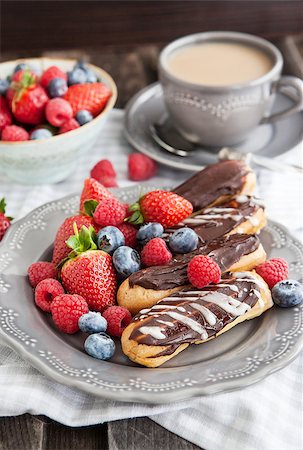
x=238, y=358
x=147, y=107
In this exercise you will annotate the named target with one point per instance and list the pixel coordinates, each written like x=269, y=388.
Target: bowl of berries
x=51, y=112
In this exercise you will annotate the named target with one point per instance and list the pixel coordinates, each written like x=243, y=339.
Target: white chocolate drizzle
x=209, y=316
x=190, y=323
x=155, y=332
x=229, y=304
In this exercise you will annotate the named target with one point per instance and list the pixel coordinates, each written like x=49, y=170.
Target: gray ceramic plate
x=148, y=106
x=244, y=355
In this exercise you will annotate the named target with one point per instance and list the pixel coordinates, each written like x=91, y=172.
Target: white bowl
x=53, y=159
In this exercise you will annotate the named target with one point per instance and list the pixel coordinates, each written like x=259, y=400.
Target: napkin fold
x=265, y=416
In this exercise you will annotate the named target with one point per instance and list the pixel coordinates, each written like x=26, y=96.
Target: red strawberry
x=90, y=96
x=4, y=220
x=28, y=99
x=5, y=115
x=164, y=207
x=93, y=190
x=61, y=250
x=89, y=272
x=17, y=76
x=51, y=73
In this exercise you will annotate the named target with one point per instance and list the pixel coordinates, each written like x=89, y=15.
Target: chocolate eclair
x=194, y=316
x=242, y=214
x=218, y=183
x=147, y=286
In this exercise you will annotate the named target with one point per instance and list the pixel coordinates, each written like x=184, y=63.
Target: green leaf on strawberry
x=90, y=206
x=3, y=207
x=81, y=241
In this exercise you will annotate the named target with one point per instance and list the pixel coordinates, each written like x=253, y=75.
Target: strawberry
x=61, y=250
x=28, y=99
x=5, y=115
x=89, y=272
x=159, y=206
x=93, y=190
x=89, y=96
x=5, y=221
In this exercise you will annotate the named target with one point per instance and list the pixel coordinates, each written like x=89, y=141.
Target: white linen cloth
x=265, y=416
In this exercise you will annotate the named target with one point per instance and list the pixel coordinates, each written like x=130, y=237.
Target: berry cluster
x=33, y=107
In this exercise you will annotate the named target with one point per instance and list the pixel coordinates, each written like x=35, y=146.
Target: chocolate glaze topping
x=216, y=180
x=225, y=251
x=193, y=315
x=217, y=221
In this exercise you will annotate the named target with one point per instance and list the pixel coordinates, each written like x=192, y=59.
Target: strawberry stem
x=2, y=208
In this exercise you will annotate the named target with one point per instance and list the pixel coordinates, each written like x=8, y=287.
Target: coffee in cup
x=219, y=86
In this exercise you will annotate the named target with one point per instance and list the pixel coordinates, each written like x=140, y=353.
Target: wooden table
x=132, y=67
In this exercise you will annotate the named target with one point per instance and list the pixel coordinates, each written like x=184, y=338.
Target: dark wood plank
x=57, y=25
x=60, y=437
x=23, y=432
x=40, y=433
x=144, y=434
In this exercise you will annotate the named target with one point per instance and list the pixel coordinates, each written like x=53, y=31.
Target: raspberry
x=104, y=172
x=273, y=271
x=69, y=125
x=109, y=212
x=51, y=73
x=14, y=133
x=46, y=291
x=117, y=318
x=140, y=167
x=202, y=270
x=66, y=311
x=41, y=270
x=5, y=115
x=155, y=253
x=130, y=233
x=58, y=111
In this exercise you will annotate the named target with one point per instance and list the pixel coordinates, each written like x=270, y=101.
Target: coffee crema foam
x=219, y=63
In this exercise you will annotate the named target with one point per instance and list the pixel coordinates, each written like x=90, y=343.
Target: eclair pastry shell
x=137, y=297
x=146, y=355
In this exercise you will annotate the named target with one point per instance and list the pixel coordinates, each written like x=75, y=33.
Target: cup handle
x=283, y=82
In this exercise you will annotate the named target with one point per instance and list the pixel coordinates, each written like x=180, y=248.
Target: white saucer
x=146, y=108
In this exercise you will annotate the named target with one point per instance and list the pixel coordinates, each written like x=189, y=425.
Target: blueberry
x=41, y=133
x=57, y=87
x=80, y=64
x=84, y=116
x=92, y=322
x=76, y=76
x=109, y=239
x=184, y=240
x=91, y=76
x=126, y=261
x=100, y=346
x=287, y=293
x=4, y=85
x=21, y=66
x=149, y=231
